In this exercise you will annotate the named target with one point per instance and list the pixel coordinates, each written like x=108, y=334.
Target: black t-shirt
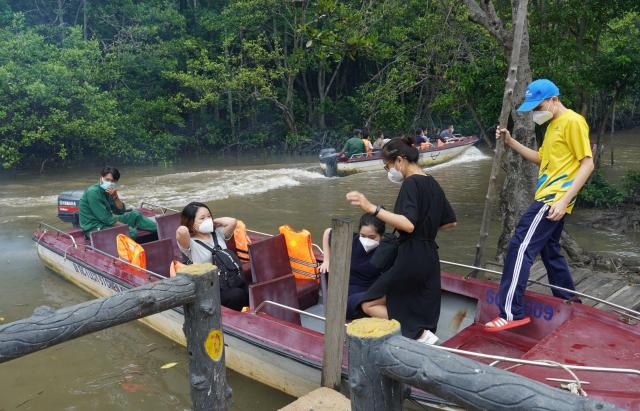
x=423, y=202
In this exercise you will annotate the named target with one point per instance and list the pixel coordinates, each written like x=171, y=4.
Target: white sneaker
x=428, y=338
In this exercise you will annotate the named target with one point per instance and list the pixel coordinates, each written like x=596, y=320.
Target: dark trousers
x=534, y=235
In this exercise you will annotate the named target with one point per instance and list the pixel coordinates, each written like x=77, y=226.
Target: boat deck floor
x=314, y=323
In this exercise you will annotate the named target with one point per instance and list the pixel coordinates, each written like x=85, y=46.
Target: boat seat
x=159, y=256
x=105, y=240
x=269, y=259
x=307, y=292
x=280, y=290
x=167, y=226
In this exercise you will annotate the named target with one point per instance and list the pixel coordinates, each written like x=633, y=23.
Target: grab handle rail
x=120, y=260
x=57, y=230
x=286, y=307
x=628, y=311
x=163, y=208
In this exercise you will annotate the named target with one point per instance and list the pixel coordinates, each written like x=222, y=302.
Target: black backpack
x=228, y=263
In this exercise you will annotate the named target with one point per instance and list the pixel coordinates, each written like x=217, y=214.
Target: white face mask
x=395, y=176
x=368, y=244
x=542, y=116
x=206, y=226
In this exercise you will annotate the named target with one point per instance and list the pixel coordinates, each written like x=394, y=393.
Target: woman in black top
x=410, y=290
x=361, y=273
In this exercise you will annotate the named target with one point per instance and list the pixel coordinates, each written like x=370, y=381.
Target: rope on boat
x=539, y=363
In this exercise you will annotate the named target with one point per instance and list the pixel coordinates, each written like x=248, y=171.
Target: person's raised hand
x=502, y=132
x=358, y=199
x=113, y=193
x=324, y=267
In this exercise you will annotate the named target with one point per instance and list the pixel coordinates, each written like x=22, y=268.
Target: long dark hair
x=188, y=215
x=400, y=147
x=368, y=219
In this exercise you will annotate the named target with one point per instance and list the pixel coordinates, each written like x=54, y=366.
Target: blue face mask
x=105, y=185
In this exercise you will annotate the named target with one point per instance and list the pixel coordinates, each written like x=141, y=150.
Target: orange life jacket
x=242, y=241
x=367, y=146
x=424, y=146
x=131, y=251
x=299, y=248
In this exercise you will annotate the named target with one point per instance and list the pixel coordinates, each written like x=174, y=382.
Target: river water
x=120, y=368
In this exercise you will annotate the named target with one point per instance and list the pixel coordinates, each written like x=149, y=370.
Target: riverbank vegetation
x=149, y=80
x=600, y=193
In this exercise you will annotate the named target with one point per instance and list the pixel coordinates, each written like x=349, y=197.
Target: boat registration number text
x=531, y=309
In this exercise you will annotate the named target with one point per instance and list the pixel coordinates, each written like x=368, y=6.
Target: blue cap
x=536, y=92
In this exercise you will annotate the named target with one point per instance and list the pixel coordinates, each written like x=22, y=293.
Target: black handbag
x=228, y=263
x=386, y=252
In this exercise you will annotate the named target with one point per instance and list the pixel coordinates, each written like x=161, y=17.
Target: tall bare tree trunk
x=84, y=19
x=517, y=189
x=60, y=18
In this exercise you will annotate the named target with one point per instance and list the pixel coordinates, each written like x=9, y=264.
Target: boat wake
x=178, y=189
x=210, y=185
x=471, y=155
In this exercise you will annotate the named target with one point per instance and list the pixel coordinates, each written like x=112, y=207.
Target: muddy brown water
x=120, y=368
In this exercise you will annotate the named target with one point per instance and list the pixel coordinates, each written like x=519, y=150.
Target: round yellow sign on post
x=214, y=345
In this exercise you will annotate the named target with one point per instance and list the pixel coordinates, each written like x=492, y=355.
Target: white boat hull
x=245, y=357
x=426, y=159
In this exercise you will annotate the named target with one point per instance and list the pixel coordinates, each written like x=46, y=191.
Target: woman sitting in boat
x=196, y=240
x=410, y=290
x=362, y=274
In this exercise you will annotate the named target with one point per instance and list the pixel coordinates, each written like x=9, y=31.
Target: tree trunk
x=601, y=130
x=613, y=121
x=517, y=188
x=84, y=20
x=60, y=18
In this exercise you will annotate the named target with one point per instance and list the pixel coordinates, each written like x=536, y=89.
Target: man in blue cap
x=565, y=162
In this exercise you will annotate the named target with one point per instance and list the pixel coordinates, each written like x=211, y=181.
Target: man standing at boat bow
x=565, y=161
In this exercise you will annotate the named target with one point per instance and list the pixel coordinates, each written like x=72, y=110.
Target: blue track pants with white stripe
x=534, y=235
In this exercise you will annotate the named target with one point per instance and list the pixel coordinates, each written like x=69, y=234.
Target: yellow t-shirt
x=566, y=142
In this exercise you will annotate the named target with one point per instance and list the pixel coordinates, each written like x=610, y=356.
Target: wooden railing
x=196, y=289
x=382, y=364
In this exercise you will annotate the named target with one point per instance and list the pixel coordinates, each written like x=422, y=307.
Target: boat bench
x=105, y=240
x=159, y=256
x=280, y=290
x=269, y=260
x=167, y=226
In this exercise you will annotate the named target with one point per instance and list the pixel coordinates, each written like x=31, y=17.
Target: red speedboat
x=279, y=341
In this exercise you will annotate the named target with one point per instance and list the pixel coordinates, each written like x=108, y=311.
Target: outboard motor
x=329, y=158
x=69, y=205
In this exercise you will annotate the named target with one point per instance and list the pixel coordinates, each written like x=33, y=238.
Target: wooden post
x=336, y=302
x=504, y=121
x=471, y=384
x=205, y=344
x=369, y=389
x=48, y=327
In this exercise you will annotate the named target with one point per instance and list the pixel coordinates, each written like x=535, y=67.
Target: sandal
x=500, y=324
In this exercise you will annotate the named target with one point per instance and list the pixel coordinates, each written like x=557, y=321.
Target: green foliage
x=599, y=193
x=631, y=185
x=151, y=80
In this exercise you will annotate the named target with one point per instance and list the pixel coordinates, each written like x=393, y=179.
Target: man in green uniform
x=100, y=202
x=354, y=145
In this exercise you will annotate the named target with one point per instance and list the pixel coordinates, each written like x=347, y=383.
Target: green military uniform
x=97, y=210
x=354, y=145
